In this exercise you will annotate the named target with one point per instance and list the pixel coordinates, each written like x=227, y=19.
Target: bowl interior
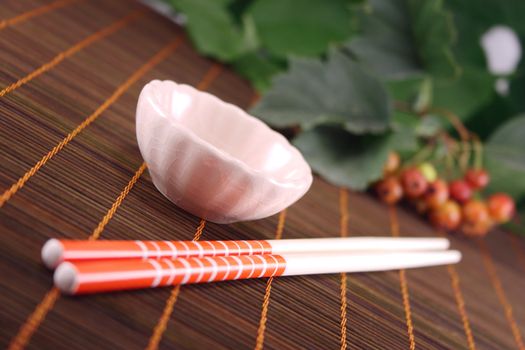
x=229, y=130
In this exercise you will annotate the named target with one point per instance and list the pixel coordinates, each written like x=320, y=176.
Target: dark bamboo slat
x=71, y=193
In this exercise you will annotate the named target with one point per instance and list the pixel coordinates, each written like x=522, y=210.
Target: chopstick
x=83, y=277
x=56, y=251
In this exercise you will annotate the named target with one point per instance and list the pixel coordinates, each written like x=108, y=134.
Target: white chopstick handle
x=307, y=264
x=357, y=244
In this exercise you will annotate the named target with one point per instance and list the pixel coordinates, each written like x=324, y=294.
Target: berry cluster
x=456, y=205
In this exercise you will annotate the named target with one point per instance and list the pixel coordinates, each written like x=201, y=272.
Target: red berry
x=477, y=178
x=437, y=193
x=460, y=191
x=392, y=163
x=475, y=211
x=501, y=207
x=446, y=216
x=414, y=183
x=389, y=190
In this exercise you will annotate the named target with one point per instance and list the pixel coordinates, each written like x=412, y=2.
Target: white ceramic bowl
x=213, y=159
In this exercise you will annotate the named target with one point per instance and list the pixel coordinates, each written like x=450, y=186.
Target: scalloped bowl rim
x=304, y=178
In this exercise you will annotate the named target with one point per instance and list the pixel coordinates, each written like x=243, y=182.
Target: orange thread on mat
x=162, y=324
x=460, y=302
x=158, y=57
x=454, y=278
x=111, y=212
x=210, y=76
x=394, y=228
x=34, y=12
x=160, y=328
x=198, y=231
x=72, y=50
x=259, y=341
x=343, y=227
x=498, y=287
x=34, y=320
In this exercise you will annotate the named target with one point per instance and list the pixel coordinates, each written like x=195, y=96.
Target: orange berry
x=475, y=211
x=437, y=193
x=501, y=207
x=447, y=216
x=477, y=228
x=389, y=190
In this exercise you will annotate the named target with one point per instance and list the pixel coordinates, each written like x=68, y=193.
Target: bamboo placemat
x=70, y=74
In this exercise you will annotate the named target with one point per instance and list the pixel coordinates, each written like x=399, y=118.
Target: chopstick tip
x=65, y=278
x=52, y=252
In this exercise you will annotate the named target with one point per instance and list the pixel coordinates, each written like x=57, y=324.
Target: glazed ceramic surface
x=213, y=159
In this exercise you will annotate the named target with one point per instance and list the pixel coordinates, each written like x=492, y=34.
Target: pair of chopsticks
x=101, y=266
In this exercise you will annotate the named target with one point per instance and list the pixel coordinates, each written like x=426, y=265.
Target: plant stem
x=454, y=120
x=465, y=155
x=470, y=142
x=422, y=154
x=478, y=148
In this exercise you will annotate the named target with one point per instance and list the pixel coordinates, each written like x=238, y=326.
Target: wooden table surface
x=70, y=74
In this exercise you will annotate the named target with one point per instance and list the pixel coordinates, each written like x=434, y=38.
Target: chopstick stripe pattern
x=460, y=302
x=157, y=58
x=36, y=318
x=80, y=250
x=162, y=323
x=259, y=341
x=394, y=227
x=94, y=276
x=498, y=288
x=34, y=13
x=343, y=210
x=134, y=15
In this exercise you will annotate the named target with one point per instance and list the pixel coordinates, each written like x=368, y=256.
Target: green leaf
x=465, y=95
x=404, y=137
x=337, y=91
x=403, y=38
x=301, y=27
x=258, y=68
x=500, y=109
x=405, y=89
x=429, y=126
x=492, y=116
x=343, y=158
x=505, y=158
x=212, y=28
x=482, y=14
